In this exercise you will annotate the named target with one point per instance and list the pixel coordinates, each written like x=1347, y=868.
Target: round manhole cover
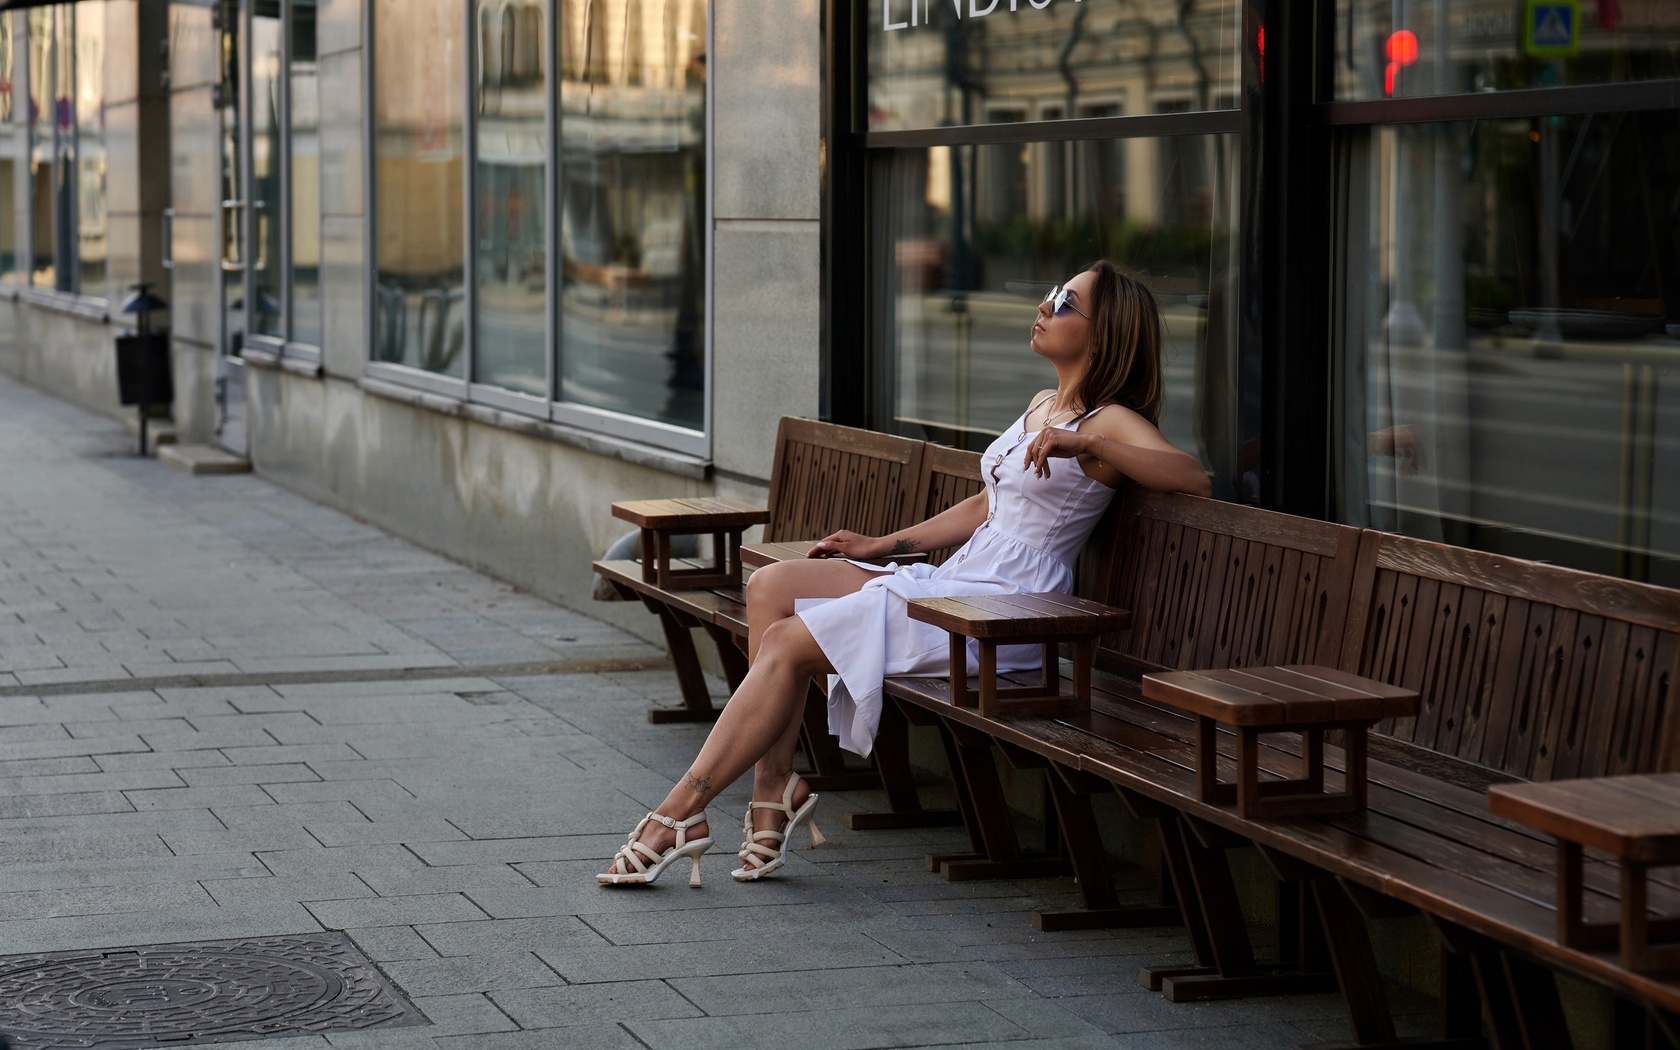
x=196, y=992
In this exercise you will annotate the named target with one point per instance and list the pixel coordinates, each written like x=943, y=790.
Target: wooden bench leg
x=729, y=654
x=1234, y=972
x=826, y=762
x=999, y=854
x=1071, y=793
x=1519, y=998
x=892, y=759
x=697, y=699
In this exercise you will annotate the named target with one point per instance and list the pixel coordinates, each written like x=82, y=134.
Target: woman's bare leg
x=760, y=724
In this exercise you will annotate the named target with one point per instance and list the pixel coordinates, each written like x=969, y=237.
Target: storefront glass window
x=14, y=147
x=632, y=199
x=1510, y=355
x=304, y=139
x=89, y=151
x=418, y=166
x=267, y=202
x=968, y=239
x=1386, y=49
x=935, y=63
x=44, y=185
x=510, y=192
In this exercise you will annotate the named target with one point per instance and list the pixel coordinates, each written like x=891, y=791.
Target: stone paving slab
x=253, y=715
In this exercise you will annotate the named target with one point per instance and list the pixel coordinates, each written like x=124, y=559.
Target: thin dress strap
x=1034, y=408
x=1083, y=418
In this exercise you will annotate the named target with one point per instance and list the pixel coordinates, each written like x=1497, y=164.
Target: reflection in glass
x=510, y=191
x=304, y=137
x=268, y=233
x=45, y=196
x=1491, y=45
x=418, y=166
x=934, y=63
x=632, y=221
x=1511, y=367
x=14, y=144
x=89, y=151
x=960, y=283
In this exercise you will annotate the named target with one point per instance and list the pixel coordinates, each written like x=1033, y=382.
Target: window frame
x=1349, y=129
x=564, y=417
x=855, y=156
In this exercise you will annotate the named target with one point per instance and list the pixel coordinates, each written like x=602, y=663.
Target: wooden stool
x=1303, y=698
x=660, y=519
x=1635, y=819
x=1021, y=619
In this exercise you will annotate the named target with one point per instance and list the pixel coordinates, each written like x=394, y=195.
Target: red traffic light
x=1401, y=47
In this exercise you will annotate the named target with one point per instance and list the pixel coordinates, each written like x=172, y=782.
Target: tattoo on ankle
x=700, y=784
x=904, y=547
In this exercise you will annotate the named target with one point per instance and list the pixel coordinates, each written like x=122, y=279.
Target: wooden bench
x=1524, y=672
x=824, y=478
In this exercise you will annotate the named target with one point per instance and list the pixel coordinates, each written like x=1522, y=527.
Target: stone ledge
x=543, y=429
x=202, y=459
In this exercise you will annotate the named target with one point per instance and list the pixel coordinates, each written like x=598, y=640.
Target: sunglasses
x=1058, y=300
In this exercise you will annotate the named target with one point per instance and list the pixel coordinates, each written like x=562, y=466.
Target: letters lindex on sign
x=909, y=14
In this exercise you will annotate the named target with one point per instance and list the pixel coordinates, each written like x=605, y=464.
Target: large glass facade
x=632, y=208
x=1510, y=355
x=1402, y=48
x=419, y=69
x=268, y=208
x=92, y=223
x=64, y=191
x=934, y=63
x=14, y=151
x=510, y=194
x=303, y=118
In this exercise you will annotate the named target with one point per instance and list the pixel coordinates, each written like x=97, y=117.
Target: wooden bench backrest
x=828, y=477
x=949, y=476
x=1534, y=670
x=1216, y=585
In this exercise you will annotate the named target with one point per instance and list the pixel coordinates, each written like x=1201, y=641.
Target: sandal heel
x=694, y=874
x=817, y=837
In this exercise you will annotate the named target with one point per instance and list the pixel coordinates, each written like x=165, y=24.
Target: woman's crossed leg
x=759, y=727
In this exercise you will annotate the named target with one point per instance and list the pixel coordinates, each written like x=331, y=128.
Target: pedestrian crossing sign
x=1552, y=29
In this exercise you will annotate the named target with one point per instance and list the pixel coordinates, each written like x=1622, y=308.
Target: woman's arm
x=944, y=529
x=1116, y=444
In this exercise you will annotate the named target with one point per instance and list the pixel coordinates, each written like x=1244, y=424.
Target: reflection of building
x=479, y=267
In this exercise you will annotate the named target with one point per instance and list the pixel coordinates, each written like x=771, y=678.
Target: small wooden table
x=660, y=519
x=1021, y=619
x=1635, y=819
x=1304, y=698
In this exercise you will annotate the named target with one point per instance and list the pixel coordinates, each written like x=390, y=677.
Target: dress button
x=962, y=557
x=998, y=458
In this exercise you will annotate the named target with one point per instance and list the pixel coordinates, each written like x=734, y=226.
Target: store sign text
x=921, y=11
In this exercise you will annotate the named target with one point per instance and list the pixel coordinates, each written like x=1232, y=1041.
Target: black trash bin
x=144, y=375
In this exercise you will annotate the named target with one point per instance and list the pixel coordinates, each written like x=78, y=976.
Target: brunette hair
x=1124, y=347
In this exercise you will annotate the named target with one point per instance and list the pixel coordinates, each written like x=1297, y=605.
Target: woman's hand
x=1052, y=443
x=848, y=544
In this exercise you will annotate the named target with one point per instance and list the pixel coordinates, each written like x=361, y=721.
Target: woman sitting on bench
x=846, y=618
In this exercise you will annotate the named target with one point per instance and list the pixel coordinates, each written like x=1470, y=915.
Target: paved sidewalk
x=226, y=711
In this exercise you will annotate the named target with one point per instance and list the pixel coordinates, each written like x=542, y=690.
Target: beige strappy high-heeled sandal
x=633, y=858
x=765, y=851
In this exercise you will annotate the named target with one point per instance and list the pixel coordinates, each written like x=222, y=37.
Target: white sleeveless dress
x=1033, y=531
